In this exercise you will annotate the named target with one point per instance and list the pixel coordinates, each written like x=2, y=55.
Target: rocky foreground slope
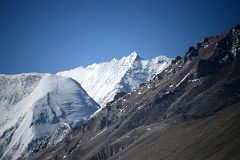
x=189, y=111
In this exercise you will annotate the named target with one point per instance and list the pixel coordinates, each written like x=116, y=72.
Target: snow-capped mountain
x=190, y=111
x=36, y=107
x=104, y=80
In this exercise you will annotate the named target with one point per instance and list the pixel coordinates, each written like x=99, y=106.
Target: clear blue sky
x=55, y=35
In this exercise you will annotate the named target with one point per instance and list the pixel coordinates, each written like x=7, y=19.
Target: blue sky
x=55, y=35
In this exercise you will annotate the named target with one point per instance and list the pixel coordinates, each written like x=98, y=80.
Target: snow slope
x=14, y=88
x=104, y=80
x=49, y=110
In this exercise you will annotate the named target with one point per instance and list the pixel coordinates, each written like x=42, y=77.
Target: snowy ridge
x=104, y=80
x=56, y=102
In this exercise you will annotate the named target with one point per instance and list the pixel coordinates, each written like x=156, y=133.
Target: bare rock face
x=189, y=111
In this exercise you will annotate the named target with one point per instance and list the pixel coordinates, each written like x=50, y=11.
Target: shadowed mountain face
x=189, y=111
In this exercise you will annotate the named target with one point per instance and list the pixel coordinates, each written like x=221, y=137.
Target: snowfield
x=56, y=102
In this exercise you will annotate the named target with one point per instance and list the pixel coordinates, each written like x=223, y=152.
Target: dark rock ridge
x=189, y=111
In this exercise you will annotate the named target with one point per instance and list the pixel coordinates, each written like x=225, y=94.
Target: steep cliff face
x=188, y=111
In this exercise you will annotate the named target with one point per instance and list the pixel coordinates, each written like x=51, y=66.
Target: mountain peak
x=132, y=57
x=103, y=81
x=133, y=54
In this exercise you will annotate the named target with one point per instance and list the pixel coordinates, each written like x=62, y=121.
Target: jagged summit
x=104, y=80
x=134, y=56
x=134, y=53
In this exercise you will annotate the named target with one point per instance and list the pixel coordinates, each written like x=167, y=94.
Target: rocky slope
x=188, y=111
x=106, y=80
